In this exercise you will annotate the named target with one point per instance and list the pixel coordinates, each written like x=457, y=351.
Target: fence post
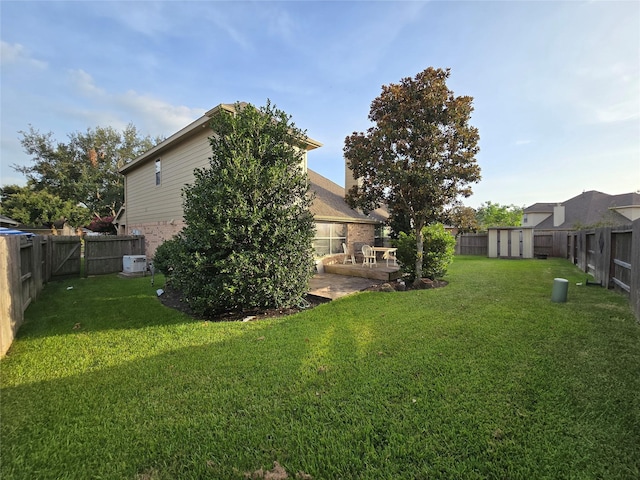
x=635, y=269
x=11, y=313
x=604, y=239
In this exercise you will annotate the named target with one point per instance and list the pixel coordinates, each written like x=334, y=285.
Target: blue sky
x=556, y=85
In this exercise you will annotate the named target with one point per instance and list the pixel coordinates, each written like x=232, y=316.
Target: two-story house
x=154, y=182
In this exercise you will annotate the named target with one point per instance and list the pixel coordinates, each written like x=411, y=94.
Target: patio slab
x=329, y=285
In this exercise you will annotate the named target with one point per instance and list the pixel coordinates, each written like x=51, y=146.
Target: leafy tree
x=85, y=169
x=463, y=219
x=33, y=207
x=491, y=214
x=419, y=156
x=439, y=252
x=248, y=233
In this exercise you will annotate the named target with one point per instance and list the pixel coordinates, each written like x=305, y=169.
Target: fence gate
x=65, y=256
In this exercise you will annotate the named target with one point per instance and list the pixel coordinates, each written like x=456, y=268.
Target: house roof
x=190, y=130
x=588, y=208
x=329, y=203
x=8, y=221
x=540, y=208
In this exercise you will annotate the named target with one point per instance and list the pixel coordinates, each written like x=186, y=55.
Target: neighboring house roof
x=329, y=203
x=587, y=209
x=8, y=221
x=540, y=208
x=187, y=132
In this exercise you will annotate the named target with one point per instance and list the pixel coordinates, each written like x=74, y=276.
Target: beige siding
x=534, y=219
x=151, y=203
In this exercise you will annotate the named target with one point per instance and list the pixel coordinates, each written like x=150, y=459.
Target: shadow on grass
x=107, y=302
x=337, y=393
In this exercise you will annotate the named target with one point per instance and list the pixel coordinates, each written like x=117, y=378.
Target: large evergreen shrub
x=439, y=249
x=247, y=240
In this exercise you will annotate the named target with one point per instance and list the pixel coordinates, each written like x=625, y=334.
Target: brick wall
x=359, y=234
x=155, y=233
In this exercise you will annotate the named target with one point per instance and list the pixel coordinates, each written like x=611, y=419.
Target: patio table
x=387, y=253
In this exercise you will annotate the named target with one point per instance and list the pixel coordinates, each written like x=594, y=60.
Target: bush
x=169, y=255
x=439, y=249
x=247, y=239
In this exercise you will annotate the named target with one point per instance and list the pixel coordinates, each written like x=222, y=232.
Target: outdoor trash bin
x=559, y=292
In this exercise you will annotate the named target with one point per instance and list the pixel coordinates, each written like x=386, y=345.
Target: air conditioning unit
x=134, y=264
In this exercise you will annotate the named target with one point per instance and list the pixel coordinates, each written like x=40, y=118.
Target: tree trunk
x=419, y=248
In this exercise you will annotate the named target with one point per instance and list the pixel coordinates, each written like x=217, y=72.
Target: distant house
x=589, y=209
x=154, y=181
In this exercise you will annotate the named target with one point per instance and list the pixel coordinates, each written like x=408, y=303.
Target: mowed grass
x=485, y=378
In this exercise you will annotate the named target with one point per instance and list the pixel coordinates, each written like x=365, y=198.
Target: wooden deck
x=380, y=272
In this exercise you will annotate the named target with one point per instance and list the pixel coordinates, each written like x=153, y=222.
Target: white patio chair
x=391, y=255
x=369, y=256
x=347, y=256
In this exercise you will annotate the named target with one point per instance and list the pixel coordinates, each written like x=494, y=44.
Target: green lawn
x=485, y=378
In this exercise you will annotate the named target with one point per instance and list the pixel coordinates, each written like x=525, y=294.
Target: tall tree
x=491, y=214
x=35, y=208
x=419, y=156
x=85, y=169
x=463, y=219
x=248, y=233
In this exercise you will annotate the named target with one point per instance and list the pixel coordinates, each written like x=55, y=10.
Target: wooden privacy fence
x=104, y=254
x=472, y=244
x=551, y=243
x=612, y=256
x=27, y=264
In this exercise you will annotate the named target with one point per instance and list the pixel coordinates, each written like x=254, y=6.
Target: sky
x=555, y=85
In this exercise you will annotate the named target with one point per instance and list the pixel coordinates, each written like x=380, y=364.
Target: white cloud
x=17, y=54
x=155, y=114
x=522, y=142
x=116, y=109
x=85, y=83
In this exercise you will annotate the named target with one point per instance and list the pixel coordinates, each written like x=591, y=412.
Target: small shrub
x=168, y=256
x=439, y=249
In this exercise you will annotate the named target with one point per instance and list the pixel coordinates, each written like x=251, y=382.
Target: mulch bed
x=173, y=299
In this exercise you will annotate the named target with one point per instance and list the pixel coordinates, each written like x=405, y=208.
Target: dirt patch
x=173, y=299
x=278, y=473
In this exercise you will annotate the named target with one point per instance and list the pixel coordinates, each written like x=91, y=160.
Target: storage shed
x=511, y=242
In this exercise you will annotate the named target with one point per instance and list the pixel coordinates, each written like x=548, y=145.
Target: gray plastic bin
x=560, y=288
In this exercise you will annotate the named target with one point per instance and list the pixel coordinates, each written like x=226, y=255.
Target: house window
x=329, y=238
x=158, y=171
x=524, y=218
x=382, y=236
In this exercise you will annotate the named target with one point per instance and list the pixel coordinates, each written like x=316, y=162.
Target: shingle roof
x=589, y=208
x=8, y=221
x=329, y=203
x=540, y=208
